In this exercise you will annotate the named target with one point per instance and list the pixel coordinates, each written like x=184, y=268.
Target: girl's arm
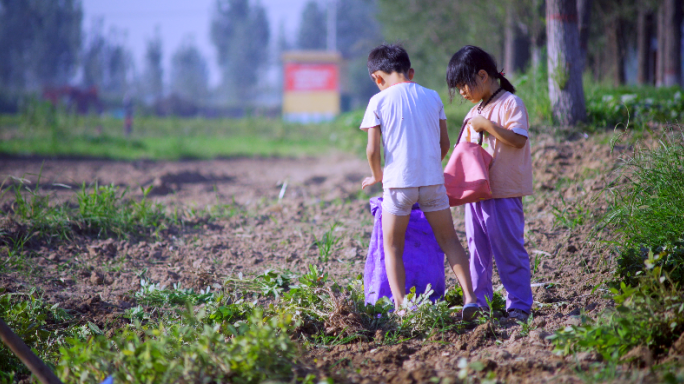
x=502, y=134
x=373, y=155
x=444, y=142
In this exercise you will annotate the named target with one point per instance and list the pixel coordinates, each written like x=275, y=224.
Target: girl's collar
x=484, y=104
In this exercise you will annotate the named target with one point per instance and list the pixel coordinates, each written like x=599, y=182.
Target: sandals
x=470, y=312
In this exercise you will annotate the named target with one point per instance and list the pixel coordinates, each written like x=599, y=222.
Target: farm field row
x=239, y=252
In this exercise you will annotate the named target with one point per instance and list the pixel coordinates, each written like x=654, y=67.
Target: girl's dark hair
x=466, y=63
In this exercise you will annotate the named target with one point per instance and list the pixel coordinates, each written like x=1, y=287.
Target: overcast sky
x=178, y=20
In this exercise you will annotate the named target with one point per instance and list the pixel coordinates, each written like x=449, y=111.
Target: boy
x=410, y=121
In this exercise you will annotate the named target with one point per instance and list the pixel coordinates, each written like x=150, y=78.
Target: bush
x=609, y=107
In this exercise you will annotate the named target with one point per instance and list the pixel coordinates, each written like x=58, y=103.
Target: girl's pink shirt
x=510, y=174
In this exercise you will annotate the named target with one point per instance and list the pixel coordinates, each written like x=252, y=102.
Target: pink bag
x=466, y=176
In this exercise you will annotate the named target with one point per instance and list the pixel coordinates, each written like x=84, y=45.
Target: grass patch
x=98, y=210
x=648, y=209
x=45, y=131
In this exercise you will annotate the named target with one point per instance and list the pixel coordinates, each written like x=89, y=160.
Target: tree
x=565, y=72
x=644, y=33
x=106, y=62
x=154, y=73
x=584, y=15
x=39, y=41
x=433, y=30
x=189, y=73
x=312, y=29
x=358, y=29
x=672, y=55
x=516, y=38
x=240, y=32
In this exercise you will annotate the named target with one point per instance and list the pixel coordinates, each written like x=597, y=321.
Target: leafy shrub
x=648, y=210
x=30, y=319
x=188, y=351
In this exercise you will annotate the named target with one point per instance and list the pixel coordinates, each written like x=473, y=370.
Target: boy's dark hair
x=388, y=58
x=466, y=63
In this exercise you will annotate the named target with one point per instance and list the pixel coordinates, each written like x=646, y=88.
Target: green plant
x=423, y=316
x=155, y=294
x=526, y=326
x=34, y=322
x=327, y=244
x=186, y=351
x=570, y=216
x=651, y=315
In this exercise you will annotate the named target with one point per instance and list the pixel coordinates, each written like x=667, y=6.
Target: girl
x=496, y=226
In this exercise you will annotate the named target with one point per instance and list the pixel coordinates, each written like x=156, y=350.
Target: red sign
x=310, y=77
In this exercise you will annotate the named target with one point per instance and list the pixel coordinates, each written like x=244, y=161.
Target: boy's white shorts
x=398, y=201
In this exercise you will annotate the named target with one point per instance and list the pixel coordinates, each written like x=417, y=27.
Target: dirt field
x=95, y=277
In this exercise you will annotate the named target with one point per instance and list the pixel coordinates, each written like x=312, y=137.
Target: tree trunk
x=660, y=54
x=615, y=50
x=644, y=32
x=516, y=44
x=538, y=33
x=584, y=14
x=565, y=73
x=672, y=74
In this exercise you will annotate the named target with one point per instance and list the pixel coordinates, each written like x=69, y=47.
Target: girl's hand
x=368, y=181
x=479, y=123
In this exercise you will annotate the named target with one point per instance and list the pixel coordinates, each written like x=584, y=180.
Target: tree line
x=566, y=38
x=43, y=44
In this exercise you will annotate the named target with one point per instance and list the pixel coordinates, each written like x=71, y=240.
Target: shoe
x=470, y=312
x=518, y=314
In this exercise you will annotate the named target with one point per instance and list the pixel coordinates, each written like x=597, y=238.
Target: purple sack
x=423, y=258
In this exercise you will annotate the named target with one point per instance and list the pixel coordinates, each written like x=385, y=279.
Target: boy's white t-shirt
x=408, y=115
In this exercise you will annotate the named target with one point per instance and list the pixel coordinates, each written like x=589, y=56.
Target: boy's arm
x=502, y=134
x=444, y=142
x=373, y=155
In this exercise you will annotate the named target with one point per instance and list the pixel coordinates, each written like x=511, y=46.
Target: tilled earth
x=280, y=206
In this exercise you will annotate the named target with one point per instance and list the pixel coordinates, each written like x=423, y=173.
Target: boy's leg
x=396, y=212
x=480, y=252
x=506, y=226
x=393, y=237
x=443, y=228
x=435, y=205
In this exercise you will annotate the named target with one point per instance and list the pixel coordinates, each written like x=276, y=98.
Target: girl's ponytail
x=505, y=84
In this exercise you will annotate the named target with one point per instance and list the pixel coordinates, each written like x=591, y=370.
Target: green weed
x=651, y=314
x=570, y=216
x=328, y=244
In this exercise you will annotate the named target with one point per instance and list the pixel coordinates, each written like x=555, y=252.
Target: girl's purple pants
x=496, y=227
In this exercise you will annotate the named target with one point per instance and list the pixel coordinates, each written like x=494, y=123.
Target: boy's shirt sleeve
x=372, y=117
x=515, y=117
